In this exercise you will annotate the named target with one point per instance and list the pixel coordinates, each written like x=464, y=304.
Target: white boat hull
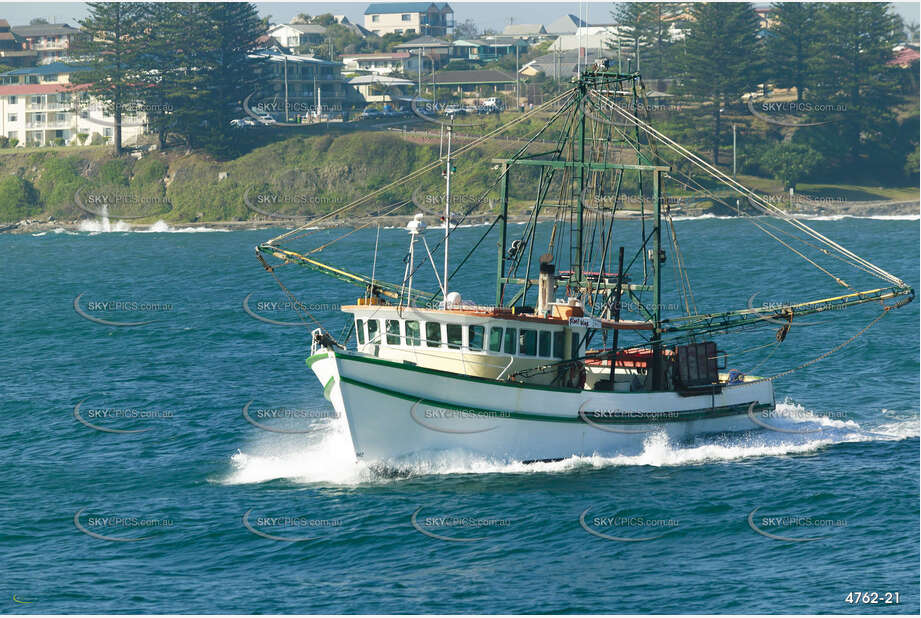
x=395, y=410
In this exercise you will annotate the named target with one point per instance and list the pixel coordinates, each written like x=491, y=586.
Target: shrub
x=18, y=199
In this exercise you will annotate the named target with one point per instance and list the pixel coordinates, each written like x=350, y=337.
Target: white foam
x=841, y=217
x=327, y=457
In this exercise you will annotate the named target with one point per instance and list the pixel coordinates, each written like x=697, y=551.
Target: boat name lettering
x=585, y=322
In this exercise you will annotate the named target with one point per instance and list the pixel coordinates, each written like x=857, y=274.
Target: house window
x=455, y=336
x=375, y=18
x=433, y=334
x=393, y=332
x=543, y=347
x=50, y=78
x=11, y=117
x=60, y=117
x=12, y=134
x=406, y=17
x=527, y=342
x=360, y=331
x=35, y=99
x=475, y=338
x=412, y=332
x=495, y=339
x=509, y=343
x=107, y=132
x=374, y=327
x=12, y=99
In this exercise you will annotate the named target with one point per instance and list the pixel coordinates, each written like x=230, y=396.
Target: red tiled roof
x=905, y=57
x=27, y=89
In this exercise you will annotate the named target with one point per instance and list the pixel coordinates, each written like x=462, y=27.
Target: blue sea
x=131, y=481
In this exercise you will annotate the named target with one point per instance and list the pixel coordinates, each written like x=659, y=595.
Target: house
x=569, y=42
x=435, y=52
x=567, y=24
x=561, y=66
x=366, y=89
x=473, y=83
x=294, y=36
x=51, y=42
x=305, y=82
x=525, y=31
x=13, y=49
x=39, y=105
x=487, y=50
x=379, y=64
x=427, y=18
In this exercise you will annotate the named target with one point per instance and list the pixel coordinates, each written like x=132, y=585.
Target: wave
x=328, y=457
x=104, y=226
x=841, y=217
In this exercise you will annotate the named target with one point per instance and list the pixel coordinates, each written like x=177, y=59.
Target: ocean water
x=178, y=515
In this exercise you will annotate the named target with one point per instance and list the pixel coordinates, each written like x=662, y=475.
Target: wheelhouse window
x=455, y=334
x=558, y=340
x=360, y=331
x=475, y=338
x=509, y=343
x=527, y=342
x=433, y=334
x=495, y=339
x=393, y=332
x=374, y=328
x=412, y=332
x=543, y=344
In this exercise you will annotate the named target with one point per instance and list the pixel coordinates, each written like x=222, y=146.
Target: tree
x=646, y=26
x=18, y=199
x=790, y=162
x=791, y=44
x=722, y=58
x=114, y=36
x=197, y=69
x=852, y=77
x=38, y=21
x=465, y=30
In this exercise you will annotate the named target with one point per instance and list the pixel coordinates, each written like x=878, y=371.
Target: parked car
x=243, y=122
x=470, y=109
x=370, y=113
x=266, y=119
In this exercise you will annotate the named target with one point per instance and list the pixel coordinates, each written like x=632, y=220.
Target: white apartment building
x=425, y=18
x=40, y=106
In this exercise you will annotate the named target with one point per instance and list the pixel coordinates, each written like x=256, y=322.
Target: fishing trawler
x=554, y=367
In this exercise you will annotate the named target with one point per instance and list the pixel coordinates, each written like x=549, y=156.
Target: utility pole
x=733, y=150
x=517, y=87
x=286, y=87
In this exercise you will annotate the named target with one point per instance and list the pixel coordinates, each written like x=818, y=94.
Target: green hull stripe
x=456, y=376
x=329, y=387
x=316, y=357
x=654, y=417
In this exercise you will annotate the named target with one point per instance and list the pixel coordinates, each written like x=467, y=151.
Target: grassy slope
x=315, y=174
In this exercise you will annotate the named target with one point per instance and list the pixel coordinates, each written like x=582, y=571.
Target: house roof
x=566, y=24
x=302, y=28
x=378, y=8
x=383, y=80
x=485, y=76
x=423, y=41
x=274, y=56
x=524, y=29
x=378, y=56
x=46, y=69
x=29, y=89
x=45, y=30
x=904, y=57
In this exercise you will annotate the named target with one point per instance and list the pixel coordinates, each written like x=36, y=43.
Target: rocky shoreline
x=906, y=210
